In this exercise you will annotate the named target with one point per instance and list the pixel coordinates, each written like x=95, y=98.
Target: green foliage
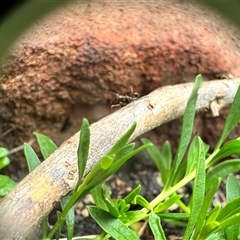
x=193, y=165
x=109, y=163
x=6, y=183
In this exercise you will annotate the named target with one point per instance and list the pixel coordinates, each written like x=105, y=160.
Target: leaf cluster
x=192, y=165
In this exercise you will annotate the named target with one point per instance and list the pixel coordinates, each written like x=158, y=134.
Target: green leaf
x=98, y=197
x=191, y=159
x=208, y=229
x=97, y=175
x=176, y=216
x=107, y=161
x=132, y=194
x=187, y=126
x=31, y=157
x=133, y=216
x=161, y=161
x=222, y=170
x=230, y=221
x=230, y=209
x=123, y=207
x=214, y=214
x=167, y=204
x=47, y=146
x=124, y=151
x=44, y=228
x=123, y=140
x=112, y=207
x=6, y=185
x=70, y=216
x=83, y=149
x=111, y=225
x=168, y=159
x=191, y=156
x=140, y=200
x=232, y=192
x=232, y=119
x=58, y=232
x=3, y=152
x=179, y=175
x=218, y=235
x=229, y=149
x=4, y=161
x=198, y=189
x=206, y=205
x=232, y=188
x=155, y=225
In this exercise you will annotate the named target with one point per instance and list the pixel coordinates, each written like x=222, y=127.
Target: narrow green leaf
x=112, y=208
x=191, y=156
x=97, y=175
x=6, y=185
x=98, y=197
x=83, y=149
x=214, y=214
x=222, y=170
x=155, y=225
x=218, y=235
x=206, y=205
x=119, y=162
x=44, y=228
x=132, y=194
x=232, y=188
x=232, y=192
x=198, y=189
x=191, y=160
x=230, y=209
x=31, y=157
x=167, y=153
x=208, y=229
x=232, y=119
x=133, y=216
x=180, y=173
x=140, y=200
x=230, y=148
x=123, y=207
x=123, y=140
x=230, y=221
x=167, y=204
x=124, y=151
x=70, y=216
x=232, y=231
x=113, y=226
x=47, y=146
x=159, y=159
x=58, y=232
x=176, y=216
x=187, y=126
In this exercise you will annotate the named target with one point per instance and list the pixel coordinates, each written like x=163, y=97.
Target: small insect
x=123, y=100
